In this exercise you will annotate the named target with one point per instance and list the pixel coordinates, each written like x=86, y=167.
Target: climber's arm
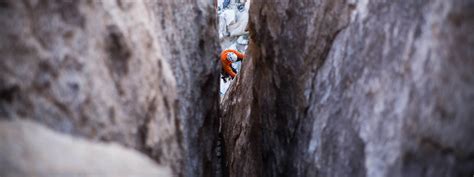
x=228, y=69
x=240, y=55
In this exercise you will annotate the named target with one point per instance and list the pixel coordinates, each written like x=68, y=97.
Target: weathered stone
x=354, y=88
x=29, y=149
x=189, y=28
x=140, y=73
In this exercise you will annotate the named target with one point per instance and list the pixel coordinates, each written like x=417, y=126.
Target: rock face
x=69, y=156
x=354, y=88
x=189, y=29
x=138, y=73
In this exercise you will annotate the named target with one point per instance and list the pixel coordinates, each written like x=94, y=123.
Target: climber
x=228, y=57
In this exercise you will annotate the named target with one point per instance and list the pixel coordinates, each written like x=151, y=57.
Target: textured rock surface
x=189, y=28
x=29, y=149
x=139, y=73
x=354, y=88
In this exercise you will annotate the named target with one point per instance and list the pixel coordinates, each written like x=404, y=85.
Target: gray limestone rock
x=354, y=88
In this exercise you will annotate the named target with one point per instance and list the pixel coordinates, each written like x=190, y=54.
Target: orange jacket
x=226, y=64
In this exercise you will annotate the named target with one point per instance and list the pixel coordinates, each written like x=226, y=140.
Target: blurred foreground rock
x=29, y=149
x=140, y=73
x=354, y=88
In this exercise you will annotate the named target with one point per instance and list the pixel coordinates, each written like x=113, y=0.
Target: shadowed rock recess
x=354, y=88
x=139, y=73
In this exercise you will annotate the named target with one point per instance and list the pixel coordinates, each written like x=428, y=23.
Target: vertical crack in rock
x=220, y=166
x=330, y=88
x=282, y=54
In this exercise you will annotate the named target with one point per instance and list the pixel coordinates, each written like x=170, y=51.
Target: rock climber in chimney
x=228, y=57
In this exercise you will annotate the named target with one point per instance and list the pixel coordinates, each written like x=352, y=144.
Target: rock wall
x=190, y=31
x=354, y=88
x=26, y=140
x=139, y=73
